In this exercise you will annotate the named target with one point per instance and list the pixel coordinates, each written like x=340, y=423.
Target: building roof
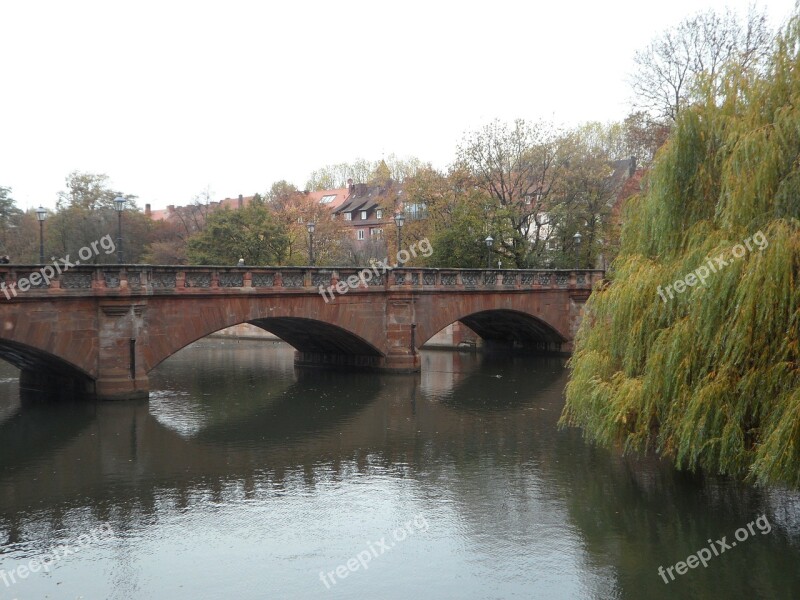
x=364, y=197
x=330, y=198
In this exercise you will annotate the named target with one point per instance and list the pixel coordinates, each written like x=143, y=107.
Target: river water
x=243, y=477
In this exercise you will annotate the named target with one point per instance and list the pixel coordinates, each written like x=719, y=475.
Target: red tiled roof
x=340, y=193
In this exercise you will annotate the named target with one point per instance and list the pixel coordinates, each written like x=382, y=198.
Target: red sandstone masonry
x=89, y=329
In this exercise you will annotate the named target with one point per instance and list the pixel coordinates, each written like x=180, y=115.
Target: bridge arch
x=501, y=325
x=308, y=329
x=43, y=371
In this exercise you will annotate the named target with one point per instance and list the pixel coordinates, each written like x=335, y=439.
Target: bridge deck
x=18, y=282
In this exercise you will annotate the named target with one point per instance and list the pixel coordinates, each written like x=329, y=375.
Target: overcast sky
x=168, y=98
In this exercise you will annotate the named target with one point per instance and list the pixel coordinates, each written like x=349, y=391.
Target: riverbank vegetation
x=708, y=377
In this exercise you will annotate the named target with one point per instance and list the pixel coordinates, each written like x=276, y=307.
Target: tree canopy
x=710, y=377
x=668, y=73
x=250, y=233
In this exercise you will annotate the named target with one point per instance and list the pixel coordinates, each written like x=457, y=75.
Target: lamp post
x=399, y=219
x=310, y=226
x=41, y=215
x=119, y=206
x=577, y=239
x=489, y=241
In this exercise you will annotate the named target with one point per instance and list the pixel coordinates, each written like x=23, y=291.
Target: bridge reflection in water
x=244, y=476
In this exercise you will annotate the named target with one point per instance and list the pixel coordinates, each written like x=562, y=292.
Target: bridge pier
x=401, y=329
x=121, y=374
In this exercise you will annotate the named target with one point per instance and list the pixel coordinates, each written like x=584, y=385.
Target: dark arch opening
x=321, y=344
x=316, y=342
x=44, y=374
x=308, y=335
x=509, y=328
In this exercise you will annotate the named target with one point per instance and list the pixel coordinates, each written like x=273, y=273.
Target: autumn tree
x=85, y=213
x=517, y=166
x=361, y=171
x=19, y=235
x=169, y=237
x=666, y=74
x=585, y=196
x=692, y=350
x=294, y=211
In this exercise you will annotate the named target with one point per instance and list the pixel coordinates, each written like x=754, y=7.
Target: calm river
x=244, y=478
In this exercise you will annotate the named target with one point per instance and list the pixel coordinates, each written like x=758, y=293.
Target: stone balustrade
x=17, y=281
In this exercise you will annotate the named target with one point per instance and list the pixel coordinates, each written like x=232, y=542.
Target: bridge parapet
x=18, y=282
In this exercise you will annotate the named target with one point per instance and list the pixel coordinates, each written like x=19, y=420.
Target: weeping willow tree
x=709, y=376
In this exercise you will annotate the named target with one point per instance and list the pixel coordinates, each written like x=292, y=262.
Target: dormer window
x=348, y=216
x=379, y=213
x=363, y=215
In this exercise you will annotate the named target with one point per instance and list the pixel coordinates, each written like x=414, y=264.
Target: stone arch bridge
x=101, y=329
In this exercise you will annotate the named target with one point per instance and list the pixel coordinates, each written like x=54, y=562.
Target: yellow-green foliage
x=710, y=378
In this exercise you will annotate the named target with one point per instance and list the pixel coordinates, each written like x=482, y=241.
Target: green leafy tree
x=251, y=233
x=707, y=377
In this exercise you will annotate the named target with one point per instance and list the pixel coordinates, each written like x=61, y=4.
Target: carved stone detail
x=292, y=280
x=231, y=280
x=198, y=280
x=263, y=280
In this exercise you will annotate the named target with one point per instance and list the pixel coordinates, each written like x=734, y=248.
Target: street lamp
x=489, y=241
x=399, y=219
x=119, y=206
x=310, y=226
x=577, y=239
x=41, y=215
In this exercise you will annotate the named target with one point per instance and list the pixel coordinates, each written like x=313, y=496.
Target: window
x=363, y=215
x=360, y=234
x=415, y=210
x=348, y=216
x=327, y=199
x=375, y=232
x=379, y=213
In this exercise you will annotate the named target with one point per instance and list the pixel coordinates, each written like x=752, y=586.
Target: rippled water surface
x=243, y=477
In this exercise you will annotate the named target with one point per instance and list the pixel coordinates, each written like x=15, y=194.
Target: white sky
x=167, y=98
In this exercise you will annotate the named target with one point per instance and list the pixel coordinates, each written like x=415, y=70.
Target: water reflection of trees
x=488, y=447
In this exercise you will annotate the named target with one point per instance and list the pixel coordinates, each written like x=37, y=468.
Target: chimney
x=351, y=187
x=171, y=208
x=241, y=201
x=147, y=210
x=361, y=189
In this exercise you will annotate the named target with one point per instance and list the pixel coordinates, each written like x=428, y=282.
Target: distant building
x=169, y=212
x=369, y=209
